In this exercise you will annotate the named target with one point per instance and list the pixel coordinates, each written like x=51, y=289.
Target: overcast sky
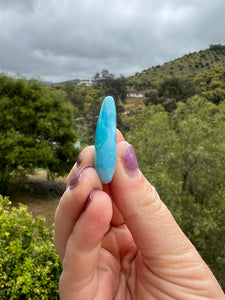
x=61, y=40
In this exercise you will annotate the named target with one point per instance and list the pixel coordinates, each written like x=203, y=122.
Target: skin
x=124, y=244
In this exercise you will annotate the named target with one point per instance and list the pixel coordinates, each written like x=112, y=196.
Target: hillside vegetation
x=185, y=67
x=200, y=73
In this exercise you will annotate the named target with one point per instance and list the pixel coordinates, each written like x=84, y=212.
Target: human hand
x=119, y=241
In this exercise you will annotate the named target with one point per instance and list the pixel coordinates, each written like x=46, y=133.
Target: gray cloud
x=60, y=40
x=23, y=6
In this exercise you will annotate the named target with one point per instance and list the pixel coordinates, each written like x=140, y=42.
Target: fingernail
x=130, y=158
x=89, y=199
x=79, y=158
x=76, y=177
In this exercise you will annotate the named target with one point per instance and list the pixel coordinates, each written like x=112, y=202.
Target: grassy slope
x=187, y=66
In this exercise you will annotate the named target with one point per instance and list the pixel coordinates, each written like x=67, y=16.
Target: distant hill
x=60, y=83
x=49, y=83
x=68, y=81
x=186, y=67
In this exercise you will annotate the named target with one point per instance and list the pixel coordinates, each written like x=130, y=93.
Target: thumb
x=152, y=226
x=80, y=263
x=164, y=247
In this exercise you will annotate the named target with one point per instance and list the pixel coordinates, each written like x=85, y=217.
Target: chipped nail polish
x=89, y=199
x=79, y=158
x=75, y=179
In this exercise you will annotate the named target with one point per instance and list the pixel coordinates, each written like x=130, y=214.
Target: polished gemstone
x=105, y=140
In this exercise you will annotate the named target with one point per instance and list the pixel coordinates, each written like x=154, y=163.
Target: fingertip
x=93, y=223
x=126, y=163
x=72, y=205
x=98, y=210
x=84, y=244
x=86, y=157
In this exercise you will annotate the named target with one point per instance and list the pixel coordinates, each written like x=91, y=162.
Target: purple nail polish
x=79, y=158
x=89, y=199
x=130, y=158
x=76, y=177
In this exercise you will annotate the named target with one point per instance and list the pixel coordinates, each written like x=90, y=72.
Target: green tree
x=143, y=83
x=173, y=90
x=183, y=155
x=152, y=97
x=212, y=84
x=216, y=47
x=93, y=103
x=36, y=130
x=76, y=95
x=115, y=87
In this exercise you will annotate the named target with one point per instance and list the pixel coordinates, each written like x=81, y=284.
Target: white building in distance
x=132, y=93
x=85, y=82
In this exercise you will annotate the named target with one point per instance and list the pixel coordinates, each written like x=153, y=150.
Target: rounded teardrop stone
x=105, y=140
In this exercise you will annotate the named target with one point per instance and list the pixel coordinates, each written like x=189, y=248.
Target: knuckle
x=152, y=200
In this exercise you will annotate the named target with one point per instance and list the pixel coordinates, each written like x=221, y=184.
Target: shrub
x=29, y=265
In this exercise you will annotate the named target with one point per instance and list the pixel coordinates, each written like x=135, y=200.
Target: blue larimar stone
x=105, y=141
